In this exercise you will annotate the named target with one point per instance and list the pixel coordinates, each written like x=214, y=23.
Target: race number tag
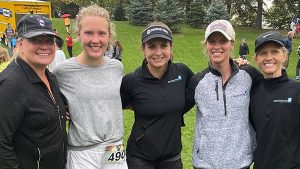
x=114, y=154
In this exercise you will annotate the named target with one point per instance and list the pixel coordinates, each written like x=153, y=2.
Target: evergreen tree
x=217, y=10
x=279, y=16
x=196, y=14
x=119, y=12
x=244, y=12
x=169, y=12
x=140, y=12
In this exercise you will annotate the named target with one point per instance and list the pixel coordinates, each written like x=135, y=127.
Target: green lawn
x=187, y=49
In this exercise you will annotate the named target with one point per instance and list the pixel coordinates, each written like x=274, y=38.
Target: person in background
x=275, y=107
x=118, y=49
x=298, y=63
x=244, y=49
x=91, y=84
x=4, y=58
x=288, y=46
x=224, y=137
x=109, y=52
x=14, y=41
x=32, y=114
x=56, y=32
x=67, y=23
x=294, y=22
x=9, y=33
x=69, y=41
x=59, y=54
x=156, y=91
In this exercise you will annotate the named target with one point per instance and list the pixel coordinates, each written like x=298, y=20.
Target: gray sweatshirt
x=94, y=100
x=224, y=137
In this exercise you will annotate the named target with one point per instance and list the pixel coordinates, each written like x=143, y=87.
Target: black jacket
x=158, y=106
x=32, y=124
x=275, y=114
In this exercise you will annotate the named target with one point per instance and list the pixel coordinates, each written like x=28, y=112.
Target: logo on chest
x=288, y=100
x=175, y=80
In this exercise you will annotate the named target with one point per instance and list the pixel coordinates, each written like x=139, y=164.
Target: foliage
x=244, y=12
x=169, y=12
x=119, y=13
x=196, y=14
x=71, y=9
x=279, y=16
x=140, y=12
x=293, y=6
x=216, y=10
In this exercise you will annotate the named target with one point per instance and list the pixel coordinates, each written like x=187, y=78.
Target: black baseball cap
x=156, y=32
x=32, y=25
x=271, y=36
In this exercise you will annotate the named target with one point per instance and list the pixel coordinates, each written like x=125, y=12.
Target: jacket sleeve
x=11, y=114
x=189, y=103
x=126, y=91
x=255, y=74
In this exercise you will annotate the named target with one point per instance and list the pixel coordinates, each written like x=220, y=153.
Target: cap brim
x=38, y=33
x=279, y=43
x=223, y=33
x=156, y=36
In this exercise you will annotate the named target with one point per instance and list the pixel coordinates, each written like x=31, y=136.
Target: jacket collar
x=146, y=73
x=274, y=82
x=233, y=66
x=30, y=73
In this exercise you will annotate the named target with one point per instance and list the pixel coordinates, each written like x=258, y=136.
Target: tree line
x=196, y=13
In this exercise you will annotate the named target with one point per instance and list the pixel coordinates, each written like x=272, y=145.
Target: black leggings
x=138, y=163
x=70, y=51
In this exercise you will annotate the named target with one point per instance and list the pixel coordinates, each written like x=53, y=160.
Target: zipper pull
x=217, y=89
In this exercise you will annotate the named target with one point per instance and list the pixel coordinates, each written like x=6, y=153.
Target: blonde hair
x=94, y=10
x=4, y=56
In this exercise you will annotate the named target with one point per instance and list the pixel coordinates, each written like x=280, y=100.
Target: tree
x=195, y=15
x=119, y=12
x=170, y=13
x=278, y=16
x=259, y=14
x=243, y=12
x=140, y=12
x=217, y=10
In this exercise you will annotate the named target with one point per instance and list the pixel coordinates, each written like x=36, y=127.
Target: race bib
x=114, y=154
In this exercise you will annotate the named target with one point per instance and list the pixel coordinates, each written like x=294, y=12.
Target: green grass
x=187, y=49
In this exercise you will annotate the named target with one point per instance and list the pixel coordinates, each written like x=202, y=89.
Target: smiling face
x=157, y=52
x=218, y=48
x=270, y=58
x=38, y=51
x=94, y=36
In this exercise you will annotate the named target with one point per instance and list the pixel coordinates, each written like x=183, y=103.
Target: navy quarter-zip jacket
x=274, y=111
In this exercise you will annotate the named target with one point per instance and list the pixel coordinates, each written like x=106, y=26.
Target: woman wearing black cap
x=32, y=114
x=156, y=93
x=275, y=107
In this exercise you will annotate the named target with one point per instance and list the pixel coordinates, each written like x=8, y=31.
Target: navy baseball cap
x=32, y=25
x=156, y=32
x=271, y=36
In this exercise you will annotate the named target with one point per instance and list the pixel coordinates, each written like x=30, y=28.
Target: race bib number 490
x=114, y=154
